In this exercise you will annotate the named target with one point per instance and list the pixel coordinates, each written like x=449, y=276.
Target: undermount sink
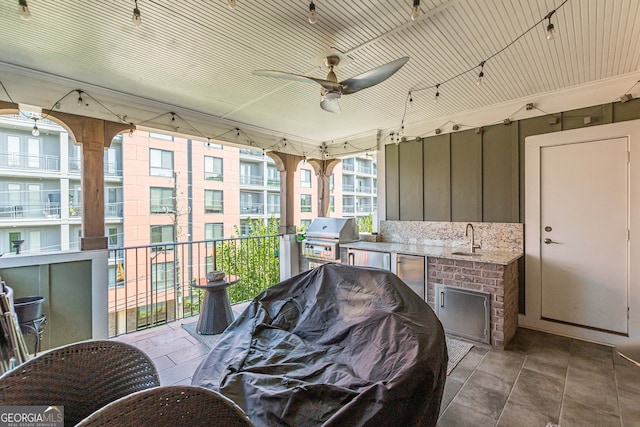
x=466, y=253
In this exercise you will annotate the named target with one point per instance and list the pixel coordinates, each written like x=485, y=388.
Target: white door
x=584, y=217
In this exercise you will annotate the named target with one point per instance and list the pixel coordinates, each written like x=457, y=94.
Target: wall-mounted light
x=35, y=131
x=626, y=97
x=23, y=10
x=415, y=10
x=438, y=131
x=136, y=19
x=313, y=17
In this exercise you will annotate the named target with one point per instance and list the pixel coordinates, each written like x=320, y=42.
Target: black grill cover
x=333, y=346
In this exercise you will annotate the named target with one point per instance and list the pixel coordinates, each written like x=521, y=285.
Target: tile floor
x=539, y=379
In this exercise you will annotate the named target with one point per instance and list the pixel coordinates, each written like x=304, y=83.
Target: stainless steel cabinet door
x=410, y=269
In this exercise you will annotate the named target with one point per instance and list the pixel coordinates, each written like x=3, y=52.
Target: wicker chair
x=170, y=406
x=83, y=377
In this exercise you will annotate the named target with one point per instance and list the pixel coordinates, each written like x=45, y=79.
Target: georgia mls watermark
x=31, y=416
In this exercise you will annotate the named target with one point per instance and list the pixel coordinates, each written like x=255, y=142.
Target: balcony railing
x=150, y=285
x=251, y=208
x=348, y=209
x=251, y=180
x=347, y=188
x=347, y=166
x=363, y=189
x=25, y=161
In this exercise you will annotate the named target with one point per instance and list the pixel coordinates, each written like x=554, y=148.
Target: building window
x=213, y=230
x=210, y=144
x=213, y=201
x=162, y=200
x=160, y=136
x=162, y=234
x=14, y=236
x=304, y=224
x=332, y=182
x=163, y=275
x=332, y=206
x=273, y=176
x=213, y=168
x=113, y=237
x=305, y=203
x=305, y=178
x=160, y=162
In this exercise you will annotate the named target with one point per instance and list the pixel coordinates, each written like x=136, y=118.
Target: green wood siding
x=392, y=182
x=500, y=190
x=411, y=181
x=437, y=178
x=466, y=176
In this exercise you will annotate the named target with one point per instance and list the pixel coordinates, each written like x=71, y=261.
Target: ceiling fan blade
x=372, y=77
x=330, y=105
x=329, y=85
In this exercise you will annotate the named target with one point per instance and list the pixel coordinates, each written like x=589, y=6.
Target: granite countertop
x=491, y=257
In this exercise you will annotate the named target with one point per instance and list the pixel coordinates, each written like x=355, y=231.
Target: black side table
x=215, y=312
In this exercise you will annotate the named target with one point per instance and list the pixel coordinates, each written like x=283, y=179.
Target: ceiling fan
x=332, y=90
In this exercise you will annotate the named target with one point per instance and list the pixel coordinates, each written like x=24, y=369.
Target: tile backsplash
x=491, y=236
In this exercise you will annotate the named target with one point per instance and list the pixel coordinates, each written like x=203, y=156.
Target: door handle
x=442, y=299
x=548, y=241
x=351, y=258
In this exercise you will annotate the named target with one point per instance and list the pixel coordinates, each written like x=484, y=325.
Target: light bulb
x=35, y=131
x=551, y=31
x=313, y=17
x=415, y=10
x=136, y=19
x=231, y=4
x=436, y=97
x=80, y=100
x=23, y=10
x=480, y=77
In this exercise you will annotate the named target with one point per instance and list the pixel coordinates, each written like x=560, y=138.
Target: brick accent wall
x=501, y=281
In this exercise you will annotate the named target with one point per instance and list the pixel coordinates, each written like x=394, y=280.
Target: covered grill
x=324, y=236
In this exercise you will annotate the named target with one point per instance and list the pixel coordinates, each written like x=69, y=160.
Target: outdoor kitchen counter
x=491, y=257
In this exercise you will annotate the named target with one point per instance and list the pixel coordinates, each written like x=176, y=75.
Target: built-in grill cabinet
x=324, y=236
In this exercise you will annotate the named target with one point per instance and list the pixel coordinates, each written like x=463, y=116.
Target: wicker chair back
x=83, y=377
x=170, y=406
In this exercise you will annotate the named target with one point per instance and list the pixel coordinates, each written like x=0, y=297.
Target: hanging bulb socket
x=23, y=10
x=481, y=74
x=35, y=131
x=80, y=100
x=436, y=97
x=551, y=30
x=313, y=17
x=135, y=18
x=410, y=98
x=232, y=4
x=415, y=10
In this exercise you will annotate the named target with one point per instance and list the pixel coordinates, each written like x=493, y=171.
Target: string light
x=436, y=97
x=551, y=30
x=131, y=129
x=231, y=4
x=136, y=19
x=313, y=17
x=23, y=10
x=410, y=98
x=35, y=131
x=481, y=73
x=80, y=100
x=415, y=10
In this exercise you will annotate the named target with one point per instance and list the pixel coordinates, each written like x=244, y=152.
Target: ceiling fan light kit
x=332, y=90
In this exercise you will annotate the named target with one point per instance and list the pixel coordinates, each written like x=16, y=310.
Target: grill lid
x=340, y=229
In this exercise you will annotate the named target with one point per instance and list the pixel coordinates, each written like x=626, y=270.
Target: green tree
x=253, y=258
x=365, y=223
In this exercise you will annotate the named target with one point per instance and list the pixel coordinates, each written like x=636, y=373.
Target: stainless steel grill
x=324, y=236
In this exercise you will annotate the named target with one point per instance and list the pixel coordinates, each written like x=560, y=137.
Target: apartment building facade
x=158, y=188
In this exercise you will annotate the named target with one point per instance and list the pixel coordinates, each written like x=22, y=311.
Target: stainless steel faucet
x=472, y=245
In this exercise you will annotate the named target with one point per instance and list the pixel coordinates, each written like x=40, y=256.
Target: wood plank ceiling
x=196, y=57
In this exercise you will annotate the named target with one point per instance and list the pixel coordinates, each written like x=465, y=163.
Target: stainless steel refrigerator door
x=375, y=259
x=410, y=269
